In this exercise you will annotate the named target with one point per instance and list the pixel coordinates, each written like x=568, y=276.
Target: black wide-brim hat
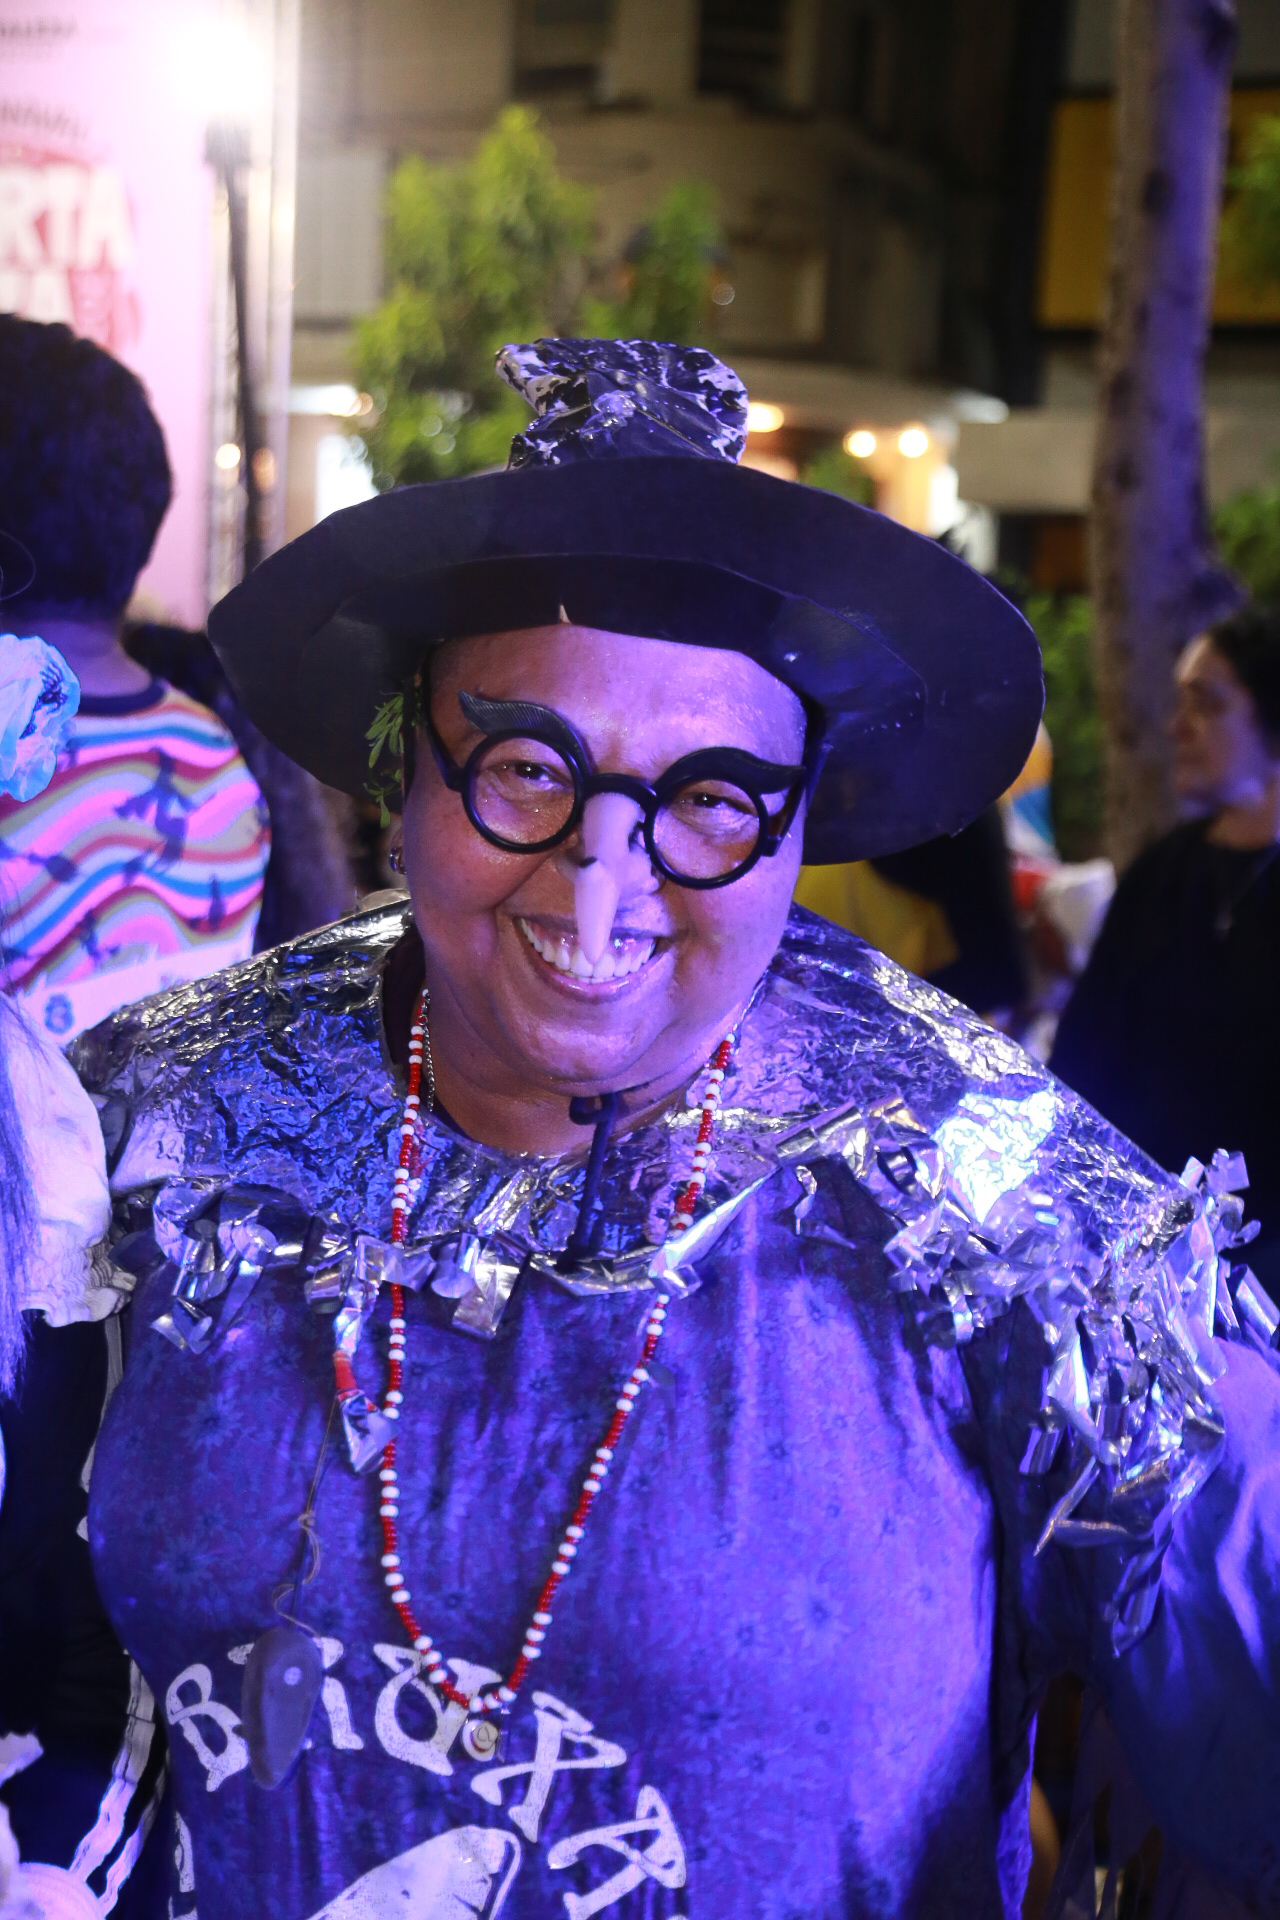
x=927, y=679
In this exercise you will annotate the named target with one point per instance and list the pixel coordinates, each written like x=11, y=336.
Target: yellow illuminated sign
x=1073, y=255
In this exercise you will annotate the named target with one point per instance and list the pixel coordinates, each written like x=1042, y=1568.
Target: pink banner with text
x=105, y=209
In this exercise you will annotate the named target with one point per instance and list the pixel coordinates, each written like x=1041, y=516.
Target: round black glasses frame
x=754, y=777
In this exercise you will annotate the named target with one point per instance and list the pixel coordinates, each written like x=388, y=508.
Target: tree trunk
x=1156, y=579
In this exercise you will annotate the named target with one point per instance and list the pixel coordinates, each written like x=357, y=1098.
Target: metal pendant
x=282, y=1681
x=481, y=1738
x=366, y=1431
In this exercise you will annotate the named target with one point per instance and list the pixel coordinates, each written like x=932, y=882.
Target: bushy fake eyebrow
x=497, y=716
x=524, y=716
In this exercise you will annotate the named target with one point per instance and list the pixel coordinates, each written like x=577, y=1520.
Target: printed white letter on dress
x=406, y=1666
x=461, y=1875
x=556, y=1724
x=662, y=1860
x=187, y=1714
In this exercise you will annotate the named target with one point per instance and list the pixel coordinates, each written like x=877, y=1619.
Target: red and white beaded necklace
x=501, y=1697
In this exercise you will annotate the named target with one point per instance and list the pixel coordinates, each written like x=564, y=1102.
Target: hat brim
x=928, y=678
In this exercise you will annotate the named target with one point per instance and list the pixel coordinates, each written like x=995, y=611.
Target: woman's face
x=1221, y=755
x=494, y=923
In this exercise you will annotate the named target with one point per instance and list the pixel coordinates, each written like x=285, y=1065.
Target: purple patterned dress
x=941, y=1384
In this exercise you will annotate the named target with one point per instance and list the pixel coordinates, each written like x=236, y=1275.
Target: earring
x=395, y=856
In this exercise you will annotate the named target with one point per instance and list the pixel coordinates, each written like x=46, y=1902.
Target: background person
x=311, y=877
x=64, y=1679
x=142, y=861
x=943, y=909
x=1174, y=1029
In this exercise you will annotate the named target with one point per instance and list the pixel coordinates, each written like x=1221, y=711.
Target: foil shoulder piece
x=1001, y=1185
x=995, y=1185
x=276, y=1065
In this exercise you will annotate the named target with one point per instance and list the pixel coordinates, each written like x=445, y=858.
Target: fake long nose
x=608, y=822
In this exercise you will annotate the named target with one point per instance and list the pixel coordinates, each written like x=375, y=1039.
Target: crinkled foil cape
x=270, y=1086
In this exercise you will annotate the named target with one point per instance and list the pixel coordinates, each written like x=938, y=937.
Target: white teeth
x=620, y=958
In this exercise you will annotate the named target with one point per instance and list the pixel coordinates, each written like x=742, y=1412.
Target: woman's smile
x=576, y=968
x=626, y=956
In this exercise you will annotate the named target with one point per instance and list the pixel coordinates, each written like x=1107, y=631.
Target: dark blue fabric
x=63, y=1676
x=783, y=1614
x=794, y=1668
x=799, y=1617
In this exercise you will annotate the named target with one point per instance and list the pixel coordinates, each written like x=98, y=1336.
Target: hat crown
x=610, y=399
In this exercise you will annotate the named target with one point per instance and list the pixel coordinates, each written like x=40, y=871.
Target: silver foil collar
x=994, y=1183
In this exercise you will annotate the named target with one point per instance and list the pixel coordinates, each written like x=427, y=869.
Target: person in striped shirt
x=142, y=862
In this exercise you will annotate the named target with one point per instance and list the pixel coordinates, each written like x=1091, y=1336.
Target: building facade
x=914, y=197
x=870, y=159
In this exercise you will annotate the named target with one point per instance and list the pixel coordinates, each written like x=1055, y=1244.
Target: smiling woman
x=577, y=966
x=762, y=1336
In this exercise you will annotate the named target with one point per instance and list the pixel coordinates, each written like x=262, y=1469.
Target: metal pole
x=227, y=150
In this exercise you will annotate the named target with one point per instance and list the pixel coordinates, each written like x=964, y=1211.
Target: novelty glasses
x=706, y=819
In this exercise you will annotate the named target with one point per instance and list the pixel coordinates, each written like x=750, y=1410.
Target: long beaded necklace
x=500, y=1698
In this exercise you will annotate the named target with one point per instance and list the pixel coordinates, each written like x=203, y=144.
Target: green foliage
x=670, y=273
x=1251, y=224
x=1063, y=625
x=836, y=471
x=1248, y=530
x=386, y=735
x=476, y=256
x=493, y=251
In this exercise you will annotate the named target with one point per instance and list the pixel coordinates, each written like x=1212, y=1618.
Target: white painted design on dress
x=556, y=1724
x=184, y=1867
x=188, y=1714
x=184, y=1859
x=333, y=1698
x=406, y=1667
x=462, y=1875
x=661, y=1860
x=467, y=1871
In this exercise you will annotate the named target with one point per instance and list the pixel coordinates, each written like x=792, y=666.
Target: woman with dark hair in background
x=310, y=877
x=1174, y=1030
x=142, y=861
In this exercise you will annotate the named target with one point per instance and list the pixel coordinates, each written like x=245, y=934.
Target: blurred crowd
x=1156, y=998
x=170, y=839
